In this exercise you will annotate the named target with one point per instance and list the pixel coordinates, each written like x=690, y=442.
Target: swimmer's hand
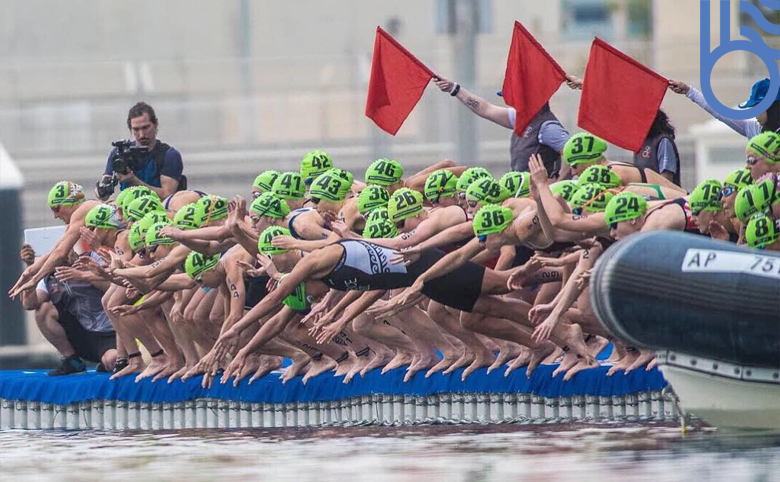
x=269, y=266
x=584, y=279
x=124, y=310
x=237, y=368
x=69, y=273
x=91, y=238
x=226, y=342
x=250, y=270
x=410, y=293
x=542, y=332
x=329, y=332
x=172, y=232
x=407, y=256
x=540, y=312
x=539, y=174
x=718, y=231
x=286, y=242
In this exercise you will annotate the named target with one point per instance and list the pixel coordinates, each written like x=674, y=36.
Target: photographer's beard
x=147, y=139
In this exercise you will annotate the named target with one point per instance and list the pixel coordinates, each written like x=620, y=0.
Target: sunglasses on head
x=472, y=204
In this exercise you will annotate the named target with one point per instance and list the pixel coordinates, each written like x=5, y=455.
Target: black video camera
x=128, y=158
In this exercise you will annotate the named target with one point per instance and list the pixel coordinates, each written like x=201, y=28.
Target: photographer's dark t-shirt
x=172, y=167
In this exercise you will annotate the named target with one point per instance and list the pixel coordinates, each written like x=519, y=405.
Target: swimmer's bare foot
x=318, y=367
x=379, y=359
x=179, y=374
x=537, y=355
x=596, y=344
x=358, y=367
x=344, y=366
x=645, y=357
x=555, y=356
x=445, y=362
x=268, y=363
x=421, y=362
x=618, y=352
x=518, y=362
x=173, y=366
x=401, y=358
x=625, y=362
x=652, y=364
x=155, y=366
x=578, y=367
x=466, y=359
x=507, y=352
x=572, y=335
x=479, y=362
x=569, y=360
x=299, y=362
x=134, y=365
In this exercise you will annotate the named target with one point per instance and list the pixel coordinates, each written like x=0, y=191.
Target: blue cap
x=758, y=93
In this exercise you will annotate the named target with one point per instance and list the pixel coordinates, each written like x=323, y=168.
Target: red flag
x=620, y=97
x=397, y=83
x=532, y=77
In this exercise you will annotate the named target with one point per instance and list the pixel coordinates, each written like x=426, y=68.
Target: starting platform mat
x=30, y=399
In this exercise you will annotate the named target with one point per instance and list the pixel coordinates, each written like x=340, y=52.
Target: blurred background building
x=241, y=86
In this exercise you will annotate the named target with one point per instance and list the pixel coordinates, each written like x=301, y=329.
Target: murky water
x=603, y=453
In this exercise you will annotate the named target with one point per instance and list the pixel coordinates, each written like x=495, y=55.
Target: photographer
x=144, y=162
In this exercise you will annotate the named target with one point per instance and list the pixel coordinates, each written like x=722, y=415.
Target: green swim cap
x=264, y=244
x=136, y=237
x=486, y=191
x=706, y=197
x=752, y=200
x=739, y=178
x=384, y=172
x=582, y=148
x=264, y=182
x=564, y=189
x=372, y=197
x=154, y=238
x=66, y=193
x=185, y=217
x=102, y=216
x=441, y=183
x=591, y=197
x=470, y=175
x=761, y=231
x=296, y=301
x=381, y=228
x=314, y=164
x=377, y=214
x=518, y=184
x=767, y=144
x=330, y=187
x=347, y=176
x=624, y=207
x=269, y=204
x=492, y=219
x=133, y=193
x=599, y=174
x=119, y=202
x=289, y=185
x=404, y=204
x=196, y=264
x=138, y=208
x=151, y=218
x=210, y=208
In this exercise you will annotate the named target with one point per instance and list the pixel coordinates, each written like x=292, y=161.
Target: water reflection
x=547, y=453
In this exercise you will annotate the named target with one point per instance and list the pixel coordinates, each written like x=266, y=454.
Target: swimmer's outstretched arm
x=365, y=300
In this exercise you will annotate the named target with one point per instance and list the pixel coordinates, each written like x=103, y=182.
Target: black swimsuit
x=365, y=266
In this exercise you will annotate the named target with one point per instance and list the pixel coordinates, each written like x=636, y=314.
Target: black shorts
x=256, y=290
x=459, y=289
x=522, y=255
x=89, y=345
